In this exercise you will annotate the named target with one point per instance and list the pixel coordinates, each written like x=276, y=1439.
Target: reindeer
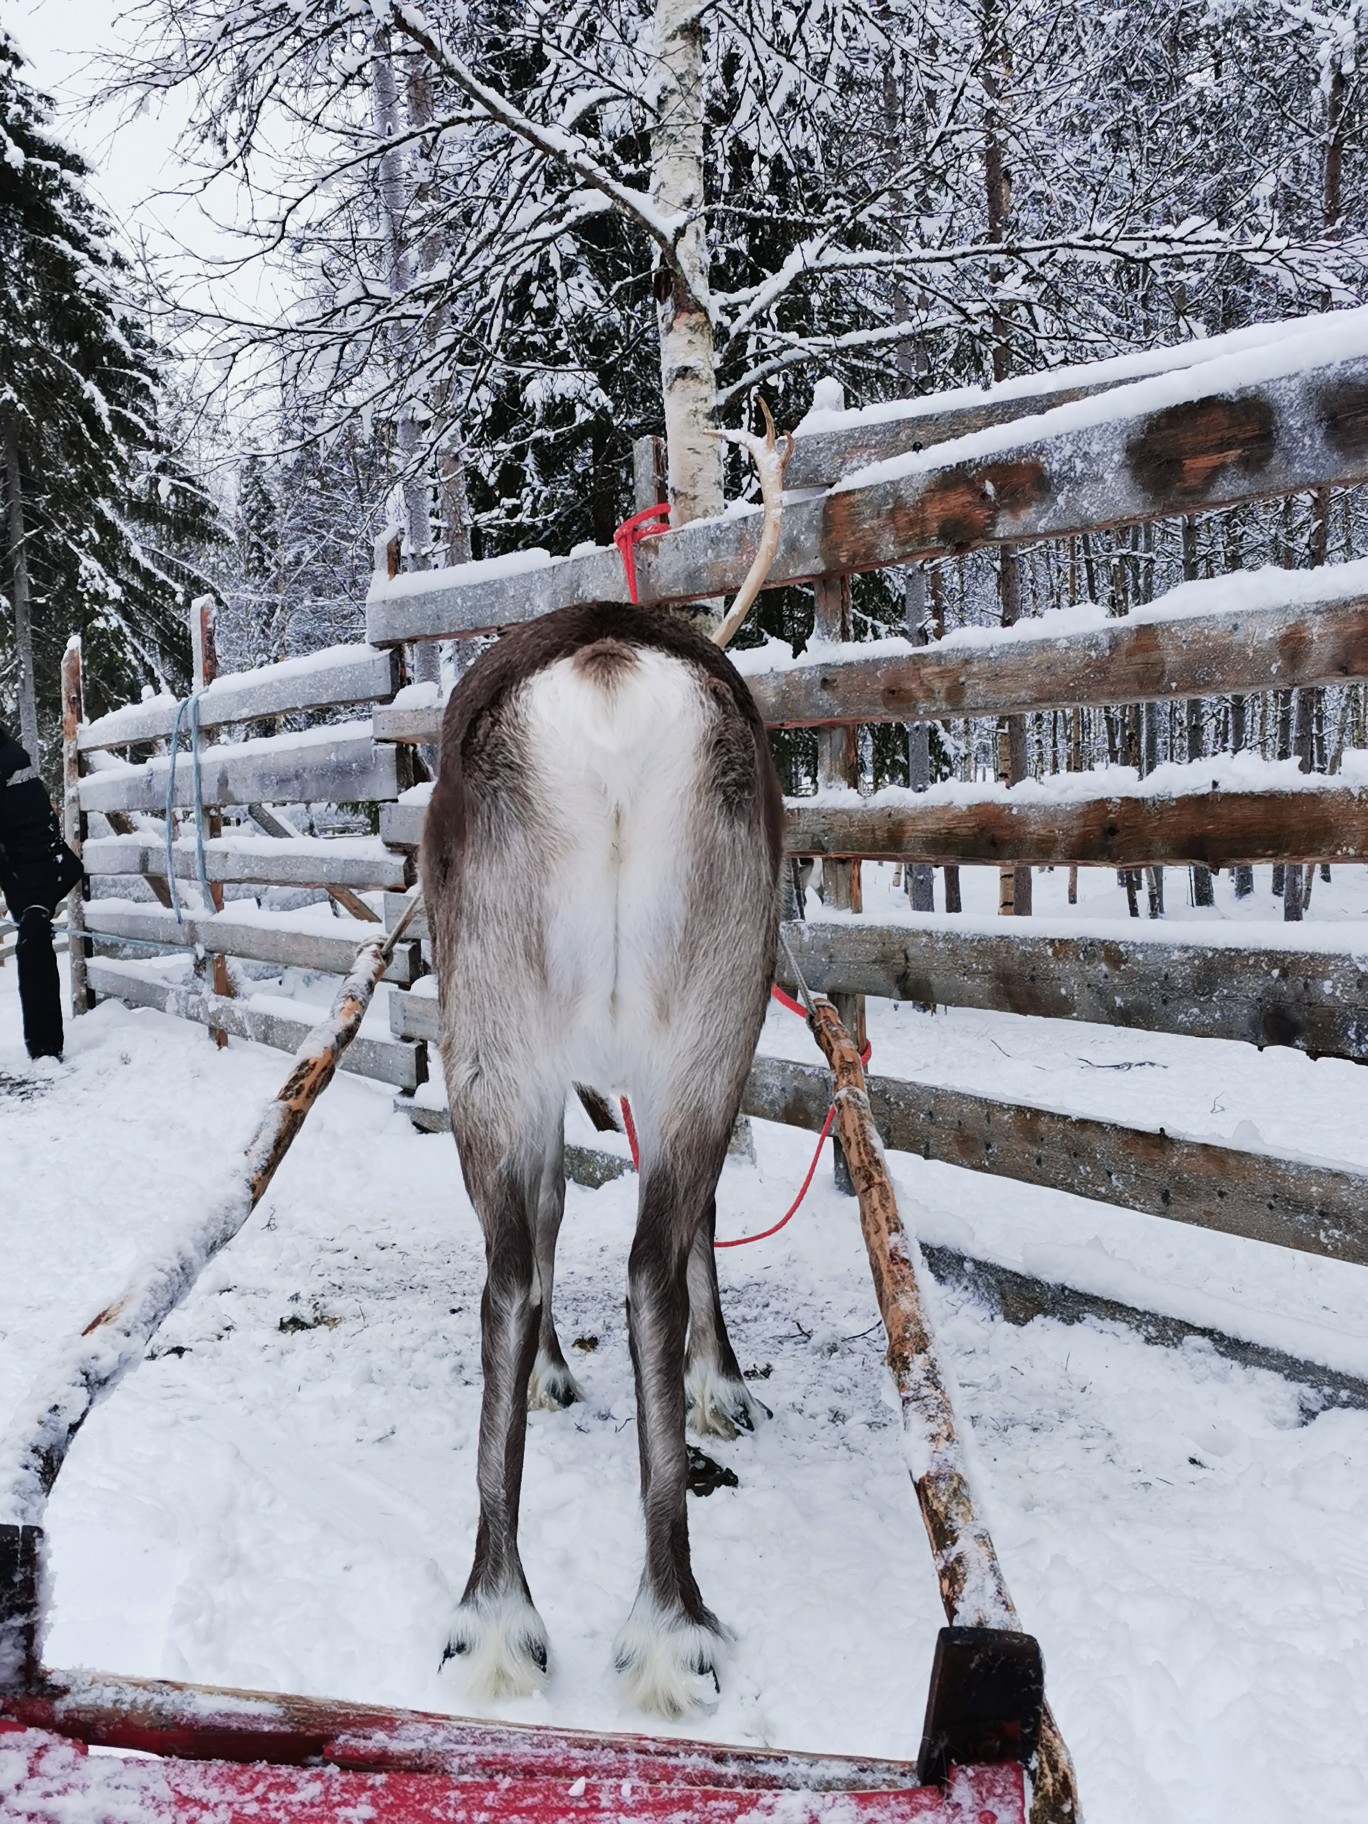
x=600, y=862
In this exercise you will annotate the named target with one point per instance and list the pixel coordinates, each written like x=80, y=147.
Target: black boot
x=40, y=987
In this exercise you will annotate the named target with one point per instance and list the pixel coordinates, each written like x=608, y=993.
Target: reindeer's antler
x=770, y=456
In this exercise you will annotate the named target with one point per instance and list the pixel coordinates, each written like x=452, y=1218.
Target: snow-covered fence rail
x=333, y=764
x=833, y=444
x=1272, y=420
x=1255, y=984
x=328, y=764
x=1180, y=814
x=1122, y=828
x=1315, y=1209
x=320, y=680
x=240, y=860
x=1263, y=630
x=292, y=940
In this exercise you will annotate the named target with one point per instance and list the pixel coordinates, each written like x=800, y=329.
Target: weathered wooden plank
x=411, y=723
x=1131, y=660
x=1260, y=993
x=386, y=1060
x=1247, y=428
x=338, y=765
x=254, y=940
x=415, y=1016
x=1123, y=661
x=1312, y=1208
x=306, y=861
x=336, y=675
x=1216, y=827
x=823, y=456
x=401, y=825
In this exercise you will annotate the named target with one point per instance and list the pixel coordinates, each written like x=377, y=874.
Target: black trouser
x=40, y=988
x=37, y=871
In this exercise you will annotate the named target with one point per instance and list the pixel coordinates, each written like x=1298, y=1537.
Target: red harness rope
x=743, y=1241
x=630, y=534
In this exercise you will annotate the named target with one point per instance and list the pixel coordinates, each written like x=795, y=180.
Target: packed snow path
x=283, y=1495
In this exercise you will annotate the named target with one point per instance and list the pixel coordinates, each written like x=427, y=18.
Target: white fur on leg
x=499, y=1647
x=719, y=1407
x=552, y=1387
x=668, y=1663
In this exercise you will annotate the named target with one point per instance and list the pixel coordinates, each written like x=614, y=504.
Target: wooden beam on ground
x=1254, y=990
x=253, y=939
x=385, y=1060
x=334, y=765
x=1268, y=423
x=338, y=674
x=1130, y=660
x=1020, y=1297
x=1217, y=828
x=306, y=861
x=1314, y=1209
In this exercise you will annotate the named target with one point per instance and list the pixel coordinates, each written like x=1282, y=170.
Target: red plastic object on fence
x=629, y=535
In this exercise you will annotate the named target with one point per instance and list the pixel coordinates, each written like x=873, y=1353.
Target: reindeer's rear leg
x=552, y=1387
x=497, y=1636
x=667, y=1649
x=719, y=1402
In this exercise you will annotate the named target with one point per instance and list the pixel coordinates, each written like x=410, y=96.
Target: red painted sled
x=238, y=1755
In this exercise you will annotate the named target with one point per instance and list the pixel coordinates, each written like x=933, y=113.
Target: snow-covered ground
x=283, y=1495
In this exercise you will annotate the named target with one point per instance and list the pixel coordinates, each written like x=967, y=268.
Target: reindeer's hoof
x=668, y=1663
x=552, y=1387
x=721, y=1406
x=498, y=1647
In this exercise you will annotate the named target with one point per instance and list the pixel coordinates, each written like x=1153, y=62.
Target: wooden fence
x=1178, y=433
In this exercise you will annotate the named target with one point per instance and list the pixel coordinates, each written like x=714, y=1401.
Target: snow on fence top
x=337, y=674
x=1258, y=422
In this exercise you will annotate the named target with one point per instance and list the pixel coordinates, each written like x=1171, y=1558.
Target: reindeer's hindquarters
x=617, y=897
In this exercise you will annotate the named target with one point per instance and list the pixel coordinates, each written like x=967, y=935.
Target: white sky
x=132, y=154
x=62, y=41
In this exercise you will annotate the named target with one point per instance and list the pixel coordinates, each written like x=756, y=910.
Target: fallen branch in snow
x=973, y=1590
x=36, y=1443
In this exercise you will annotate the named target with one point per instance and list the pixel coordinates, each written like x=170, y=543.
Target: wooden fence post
x=73, y=821
x=204, y=649
x=838, y=763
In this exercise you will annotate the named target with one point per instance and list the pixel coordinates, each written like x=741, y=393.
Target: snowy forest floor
x=283, y=1495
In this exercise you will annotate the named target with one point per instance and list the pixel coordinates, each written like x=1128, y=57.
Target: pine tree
x=101, y=517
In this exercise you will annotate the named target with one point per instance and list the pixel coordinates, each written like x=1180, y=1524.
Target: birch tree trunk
x=425, y=659
x=687, y=359
x=20, y=593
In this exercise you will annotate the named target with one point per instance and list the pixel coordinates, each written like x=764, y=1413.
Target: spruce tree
x=99, y=515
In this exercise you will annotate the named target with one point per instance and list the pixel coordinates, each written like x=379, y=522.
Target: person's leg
x=40, y=987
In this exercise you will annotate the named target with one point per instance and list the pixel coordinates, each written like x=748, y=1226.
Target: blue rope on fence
x=188, y=706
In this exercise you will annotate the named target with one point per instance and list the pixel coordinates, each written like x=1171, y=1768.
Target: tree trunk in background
x=919, y=874
x=1244, y=876
x=425, y=662
x=453, y=502
x=1203, y=892
x=20, y=593
x=1014, y=893
x=687, y=364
